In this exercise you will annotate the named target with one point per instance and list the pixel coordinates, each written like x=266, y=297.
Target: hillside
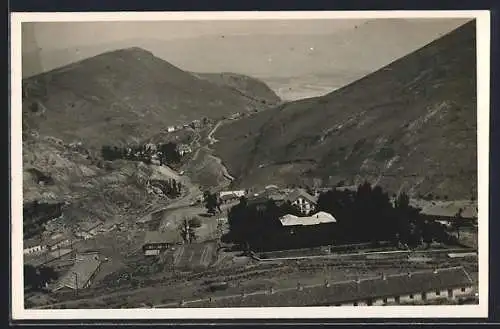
x=408, y=126
x=253, y=89
x=129, y=94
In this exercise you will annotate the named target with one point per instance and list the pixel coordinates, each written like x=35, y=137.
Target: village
x=200, y=240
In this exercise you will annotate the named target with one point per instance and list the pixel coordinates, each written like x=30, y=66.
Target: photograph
x=249, y=164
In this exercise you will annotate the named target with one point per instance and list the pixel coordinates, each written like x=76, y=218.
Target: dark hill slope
x=253, y=89
x=409, y=126
x=121, y=95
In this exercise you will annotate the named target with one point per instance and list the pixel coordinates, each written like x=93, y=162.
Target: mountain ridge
x=384, y=127
x=129, y=93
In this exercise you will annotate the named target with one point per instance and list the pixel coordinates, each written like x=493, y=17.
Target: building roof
x=45, y=258
x=32, y=242
x=170, y=236
x=88, y=226
x=348, y=291
x=301, y=193
x=318, y=218
x=57, y=238
x=229, y=196
x=85, y=266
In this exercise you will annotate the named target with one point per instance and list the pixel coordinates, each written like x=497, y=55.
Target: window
x=396, y=299
x=385, y=300
x=450, y=293
x=355, y=304
x=424, y=296
x=369, y=302
x=411, y=296
x=462, y=290
x=438, y=292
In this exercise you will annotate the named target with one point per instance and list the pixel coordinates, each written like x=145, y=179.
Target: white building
x=303, y=200
x=33, y=246
x=238, y=193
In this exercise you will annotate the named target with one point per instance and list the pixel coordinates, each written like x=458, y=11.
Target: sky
x=308, y=57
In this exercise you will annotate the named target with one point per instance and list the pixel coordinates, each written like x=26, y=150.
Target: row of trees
x=188, y=228
x=257, y=226
x=364, y=215
x=212, y=202
x=171, y=188
x=38, y=278
x=166, y=153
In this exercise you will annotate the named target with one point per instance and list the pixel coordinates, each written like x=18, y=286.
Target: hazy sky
x=60, y=35
x=326, y=53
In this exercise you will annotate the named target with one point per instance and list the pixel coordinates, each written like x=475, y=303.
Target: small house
x=156, y=241
x=171, y=129
x=87, y=230
x=33, y=246
x=183, y=149
x=58, y=241
x=302, y=200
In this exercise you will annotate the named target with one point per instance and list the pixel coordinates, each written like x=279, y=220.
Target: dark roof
x=169, y=236
x=301, y=193
x=85, y=266
x=349, y=291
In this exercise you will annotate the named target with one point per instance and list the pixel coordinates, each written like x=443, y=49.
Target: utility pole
x=76, y=283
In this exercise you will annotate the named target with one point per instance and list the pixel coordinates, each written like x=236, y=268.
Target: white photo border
x=18, y=312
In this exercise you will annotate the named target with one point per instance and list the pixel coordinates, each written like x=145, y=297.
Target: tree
x=188, y=229
x=37, y=278
x=458, y=222
x=211, y=202
x=406, y=217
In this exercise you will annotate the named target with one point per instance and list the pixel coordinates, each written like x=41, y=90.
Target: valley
x=130, y=150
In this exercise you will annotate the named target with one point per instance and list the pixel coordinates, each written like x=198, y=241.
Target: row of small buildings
x=50, y=242
x=195, y=124
x=428, y=286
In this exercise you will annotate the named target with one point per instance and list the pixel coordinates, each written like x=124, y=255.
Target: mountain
x=253, y=89
x=297, y=59
x=122, y=96
x=409, y=126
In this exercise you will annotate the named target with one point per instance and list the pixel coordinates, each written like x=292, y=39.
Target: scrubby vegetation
x=163, y=153
x=35, y=214
x=37, y=278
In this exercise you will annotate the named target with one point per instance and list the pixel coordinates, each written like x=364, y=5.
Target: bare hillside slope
x=409, y=126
